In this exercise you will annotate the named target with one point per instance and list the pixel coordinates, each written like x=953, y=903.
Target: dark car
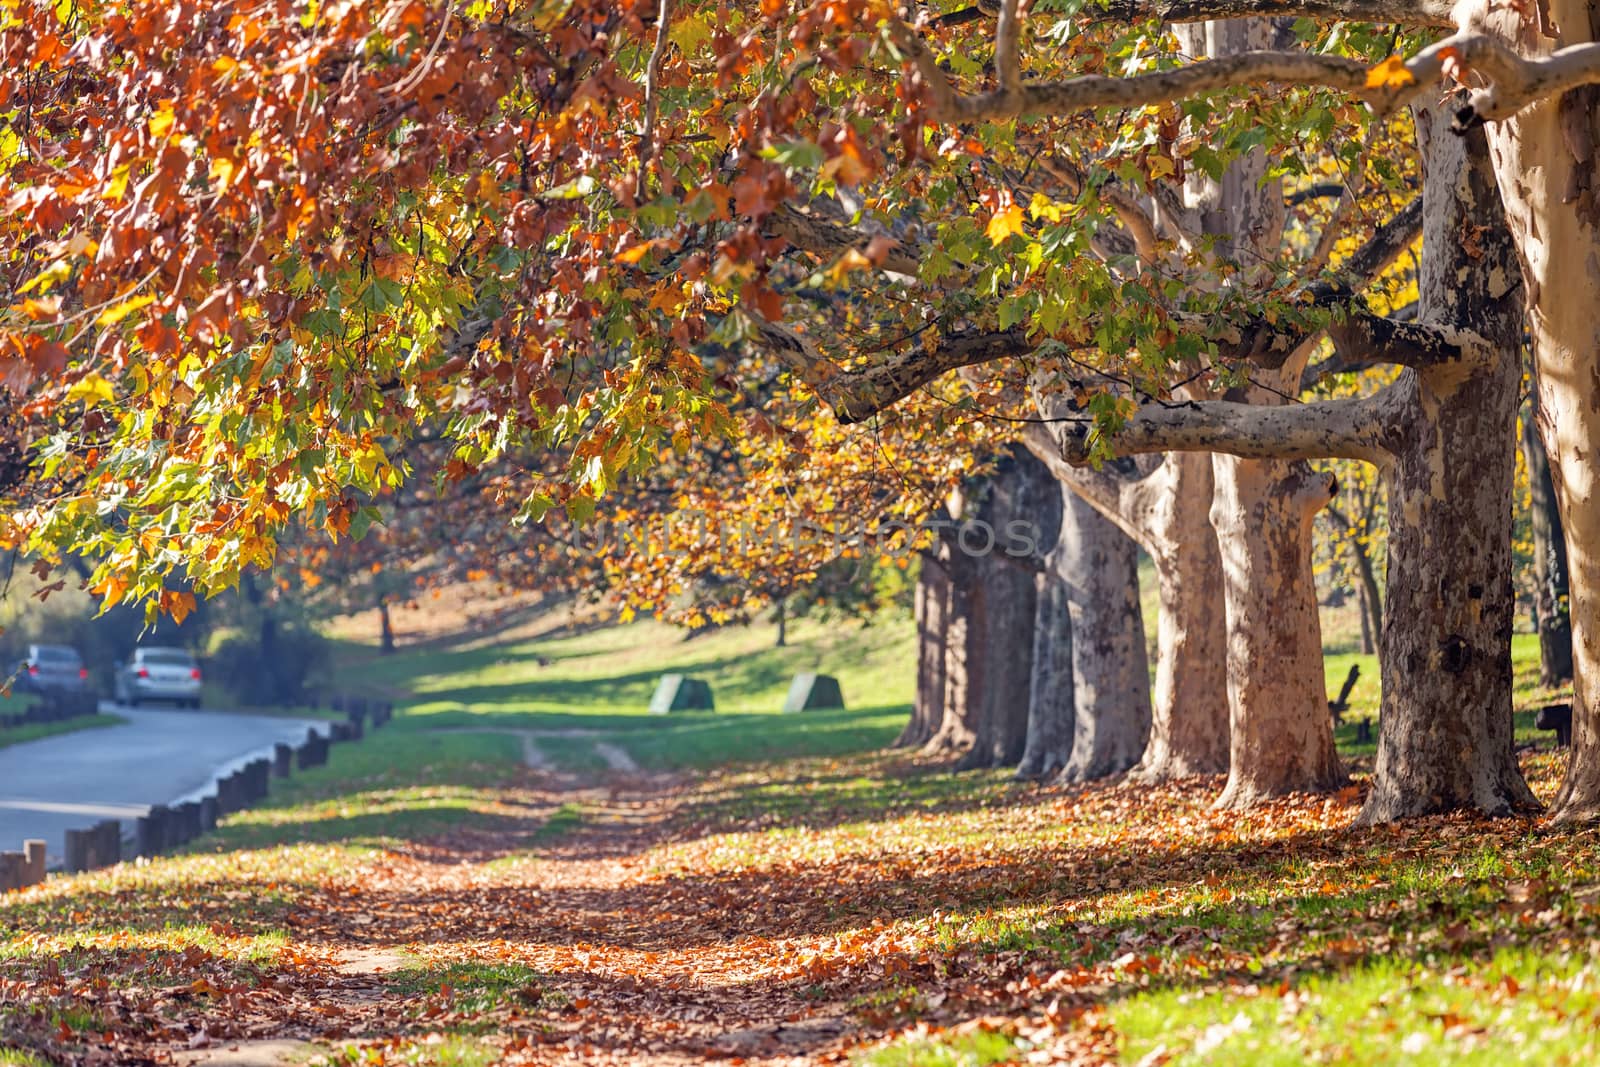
x=52, y=669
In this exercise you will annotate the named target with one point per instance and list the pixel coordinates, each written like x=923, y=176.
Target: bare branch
x=1416, y=13
x=860, y=393
x=1364, y=340
x=652, y=88
x=1516, y=81
x=1008, y=47
x=1268, y=345
x=811, y=233
x=1353, y=429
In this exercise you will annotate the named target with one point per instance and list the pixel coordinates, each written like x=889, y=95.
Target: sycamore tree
x=249, y=247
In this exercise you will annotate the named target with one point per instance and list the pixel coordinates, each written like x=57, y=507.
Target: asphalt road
x=75, y=780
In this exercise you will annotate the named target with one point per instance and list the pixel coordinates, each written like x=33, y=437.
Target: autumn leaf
x=1004, y=223
x=1390, y=74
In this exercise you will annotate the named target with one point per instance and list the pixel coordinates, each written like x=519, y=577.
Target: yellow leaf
x=118, y=184
x=161, y=122
x=1390, y=74
x=852, y=260
x=1161, y=166
x=1042, y=207
x=48, y=278
x=222, y=172
x=1004, y=224
x=117, y=312
x=92, y=389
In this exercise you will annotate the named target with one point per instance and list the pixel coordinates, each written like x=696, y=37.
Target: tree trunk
x=1445, y=734
x=1545, y=159
x=1021, y=491
x=1371, y=601
x=1189, y=721
x=989, y=651
x=385, y=627
x=1549, y=559
x=783, y=624
x=932, y=611
x=1281, y=734
x=1050, y=691
x=1166, y=511
x=1099, y=566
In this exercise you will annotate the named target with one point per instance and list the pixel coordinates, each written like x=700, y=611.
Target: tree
x=1550, y=593
x=257, y=250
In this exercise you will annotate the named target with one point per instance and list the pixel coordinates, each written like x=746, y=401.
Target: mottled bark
x=1445, y=733
x=1545, y=158
x=1166, y=511
x=1550, y=617
x=1189, y=715
x=1099, y=566
x=1281, y=739
x=1281, y=736
x=1050, y=694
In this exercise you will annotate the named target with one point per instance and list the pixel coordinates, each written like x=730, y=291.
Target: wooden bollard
x=357, y=720
x=282, y=758
x=208, y=813
x=13, y=868
x=105, y=847
x=260, y=779
x=150, y=832
x=77, y=850
x=339, y=731
x=34, y=849
x=189, y=820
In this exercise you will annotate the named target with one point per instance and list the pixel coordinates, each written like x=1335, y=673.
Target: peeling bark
x=1189, y=716
x=1281, y=736
x=1050, y=695
x=1540, y=155
x=1098, y=566
x=1445, y=733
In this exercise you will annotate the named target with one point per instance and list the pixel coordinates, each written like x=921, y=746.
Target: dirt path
x=616, y=757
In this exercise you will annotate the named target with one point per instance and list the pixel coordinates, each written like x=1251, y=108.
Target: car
x=52, y=669
x=159, y=674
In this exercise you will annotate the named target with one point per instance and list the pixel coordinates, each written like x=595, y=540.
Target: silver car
x=159, y=674
x=52, y=669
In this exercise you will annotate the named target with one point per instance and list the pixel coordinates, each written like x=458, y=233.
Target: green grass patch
x=1518, y=1007
x=16, y=735
x=390, y=786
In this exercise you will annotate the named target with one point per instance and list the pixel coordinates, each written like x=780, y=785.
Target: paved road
x=74, y=780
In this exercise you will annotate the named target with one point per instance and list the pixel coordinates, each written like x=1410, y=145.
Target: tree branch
x=1415, y=13
x=858, y=394
x=1008, y=47
x=1516, y=81
x=811, y=233
x=1353, y=429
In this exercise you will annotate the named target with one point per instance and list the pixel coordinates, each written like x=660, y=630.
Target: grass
x=16, y=735
x=576, y=688
x=788, y=868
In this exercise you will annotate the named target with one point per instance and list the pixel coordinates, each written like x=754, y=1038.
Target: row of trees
x=257, y=254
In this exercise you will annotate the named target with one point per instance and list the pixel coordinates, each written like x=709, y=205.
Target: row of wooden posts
x=167, y=827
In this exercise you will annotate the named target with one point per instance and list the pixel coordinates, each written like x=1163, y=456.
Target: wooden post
x=105, y=847
x=149, y=832
x=76, y=859
x=208, y=813
x=34, y=849
x=282, y=758
x=13, y=866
